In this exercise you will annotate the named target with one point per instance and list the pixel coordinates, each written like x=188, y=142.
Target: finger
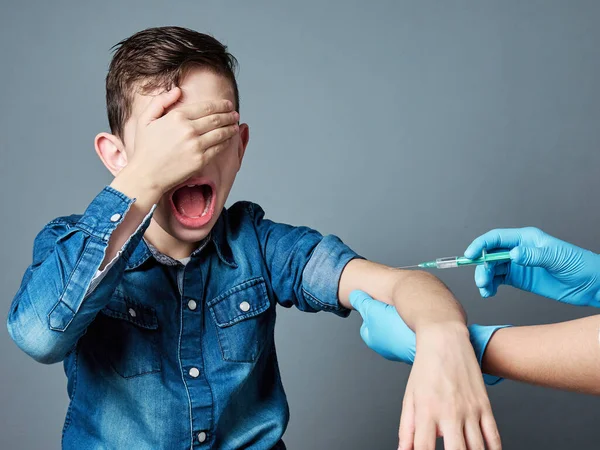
x=492, y=289
x=473, y=437
x=364, y=333
x=360, y=301
x=195, y=111
x=406, y=432
x=490, y=432
x=533, y=256
x=454, y=438
x=485, y=276
x=214, y=151
x=214, y=121
x=159, y=104
x=425, y=433
x=499, y=238
x=215, y=137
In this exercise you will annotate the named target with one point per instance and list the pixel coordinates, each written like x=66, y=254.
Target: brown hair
x=159, y=58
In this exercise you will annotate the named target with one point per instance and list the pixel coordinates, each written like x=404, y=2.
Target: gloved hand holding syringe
x=458, y=261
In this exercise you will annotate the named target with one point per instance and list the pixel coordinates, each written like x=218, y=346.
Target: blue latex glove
x=540, y=264
x=384, y=331
x=480, y=336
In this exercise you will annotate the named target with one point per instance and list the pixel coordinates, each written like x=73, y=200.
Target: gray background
x=407, y=128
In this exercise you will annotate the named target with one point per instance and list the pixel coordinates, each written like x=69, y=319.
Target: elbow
x=35, y=342
x=44, y=355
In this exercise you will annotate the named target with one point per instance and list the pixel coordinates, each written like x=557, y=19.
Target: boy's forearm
x=563, y=355
x=146, y=195
x=419, y=297
x=422, y=299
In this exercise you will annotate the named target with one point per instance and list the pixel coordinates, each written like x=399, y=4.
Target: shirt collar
x=218, y=236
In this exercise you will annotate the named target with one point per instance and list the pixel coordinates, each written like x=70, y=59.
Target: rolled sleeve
x=321, y=276
x=305, y=267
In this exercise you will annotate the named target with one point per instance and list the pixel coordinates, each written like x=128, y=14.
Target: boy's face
x=185, y=215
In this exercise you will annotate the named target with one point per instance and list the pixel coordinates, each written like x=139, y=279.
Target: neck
x=167, y=244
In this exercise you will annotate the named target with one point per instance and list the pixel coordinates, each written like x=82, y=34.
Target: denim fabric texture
x=165, y=355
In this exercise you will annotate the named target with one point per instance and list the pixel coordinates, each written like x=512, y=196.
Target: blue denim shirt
x=165, y=355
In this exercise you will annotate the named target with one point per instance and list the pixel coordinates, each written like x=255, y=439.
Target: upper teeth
x=191, y=185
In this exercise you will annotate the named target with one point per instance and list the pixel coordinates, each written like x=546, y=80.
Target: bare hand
x=170, y=147
x=445, y=395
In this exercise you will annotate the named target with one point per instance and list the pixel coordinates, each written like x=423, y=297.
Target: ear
x=244, y=138
x=111, y=151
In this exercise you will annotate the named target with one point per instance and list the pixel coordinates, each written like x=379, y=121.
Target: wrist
x=442, y=327
x=442, y=336
x=134, y=184
x=445, y=344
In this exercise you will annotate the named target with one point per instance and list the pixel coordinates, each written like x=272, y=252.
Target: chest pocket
x=242, y=325
x=129, y=331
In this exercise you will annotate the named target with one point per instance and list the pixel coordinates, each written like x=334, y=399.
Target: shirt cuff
x=100, y=274
x=99, y=205
x=105, y=213
x=322, y=273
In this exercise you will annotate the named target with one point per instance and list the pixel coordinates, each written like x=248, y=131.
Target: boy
x=161, y=302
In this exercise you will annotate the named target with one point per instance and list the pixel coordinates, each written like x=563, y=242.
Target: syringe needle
x=407, y=267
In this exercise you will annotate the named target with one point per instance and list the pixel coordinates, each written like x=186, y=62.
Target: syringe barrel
x=446, y=263
x=489, y=257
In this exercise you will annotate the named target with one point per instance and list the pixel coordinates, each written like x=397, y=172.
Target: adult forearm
x=564, y=355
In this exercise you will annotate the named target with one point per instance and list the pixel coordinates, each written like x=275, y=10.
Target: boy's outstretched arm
x=445, y=395
x=419, y=297
x=562, y=355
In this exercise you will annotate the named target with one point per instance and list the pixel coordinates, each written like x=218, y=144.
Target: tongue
x=189, y=201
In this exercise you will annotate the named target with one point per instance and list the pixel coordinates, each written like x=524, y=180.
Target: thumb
x=159, y=104
x=532, y=256
x=360, y=301
x=364, y=333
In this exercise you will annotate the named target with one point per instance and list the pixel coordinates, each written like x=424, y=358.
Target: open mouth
x=193, y=204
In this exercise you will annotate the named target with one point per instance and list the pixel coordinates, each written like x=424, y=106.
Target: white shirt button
x=201, y=437
x=192, y=304
x=115, y=217
x=245, y=306
x=132, y=312
x=194, y=372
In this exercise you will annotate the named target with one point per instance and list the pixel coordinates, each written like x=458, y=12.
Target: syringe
x=458, y=261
